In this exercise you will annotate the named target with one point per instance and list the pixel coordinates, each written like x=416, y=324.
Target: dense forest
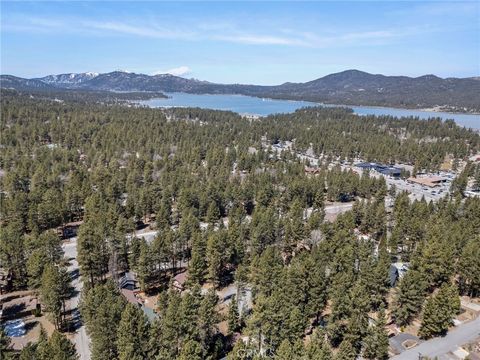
x=232, y=210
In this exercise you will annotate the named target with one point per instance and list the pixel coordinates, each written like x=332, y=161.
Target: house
x=179, y=281
x=128, y=281
x=130, y=296
x=397, y=270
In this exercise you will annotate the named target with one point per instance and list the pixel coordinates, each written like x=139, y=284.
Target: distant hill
x=17, y=83
x=351, y=87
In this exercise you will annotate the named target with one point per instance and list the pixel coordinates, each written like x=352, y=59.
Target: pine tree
x=5, y=344
x=439, y=311
x=43, y=349
x=192, y=350
x=295, y=325
x=346, y=351
x=469, y=268
x=12, y=252
x=168, y=338
x=198, y=266
x=189, y=314
x=208, y=318
x=213, y=214
x=145, y=266
x=61, y=347
x=358, y=320
x=215, y=257
x=376, y=341
x=317, y=287
x=29, y=352
x=318, y=349
x=286, y=351
x=51, y=293
x=410, y=297
x=132, y=339
x=233, y=318
x=240, y=351
x=91, y=259
x=101, y=308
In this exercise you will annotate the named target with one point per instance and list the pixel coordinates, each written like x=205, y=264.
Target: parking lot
x=418, y=191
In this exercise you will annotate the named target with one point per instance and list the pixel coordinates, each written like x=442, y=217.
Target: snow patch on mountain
x=68, y=79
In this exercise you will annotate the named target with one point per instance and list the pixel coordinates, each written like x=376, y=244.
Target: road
x=148, y=236
x=332, y=211
x=440, y=346
x=80, y=338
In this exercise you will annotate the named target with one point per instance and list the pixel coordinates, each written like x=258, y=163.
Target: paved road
x=80, y=338
x=148, y=236
x=332, y=211
x=440, y=346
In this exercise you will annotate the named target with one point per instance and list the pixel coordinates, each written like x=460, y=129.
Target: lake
x=258, y=106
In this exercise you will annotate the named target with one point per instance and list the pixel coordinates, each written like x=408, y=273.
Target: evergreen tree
x=43, y=349
x=61, y=347
x=208, y=319
x=192, y=350
x=52, y=292
x=375, y=345
x=29, y=352
x=346, y=351
x=101, y=308
x=287, y=351
x=91, y=256
x=469, y=268
x=132, y=334
x=215, y=257
x=296, y=325
x=439, y=311
x=318, y=349
x=198, y=266
x=233, y=318
x=5, y=344
x=410, y=297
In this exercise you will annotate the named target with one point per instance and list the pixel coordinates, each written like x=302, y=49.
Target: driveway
x=440, y=346
x=80, y=338
x=397, y=341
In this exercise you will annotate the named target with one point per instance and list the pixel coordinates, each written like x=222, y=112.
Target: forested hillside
x=233, y=212
x=350, y=87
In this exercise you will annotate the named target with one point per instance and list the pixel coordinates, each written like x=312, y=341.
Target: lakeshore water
x=262, y=107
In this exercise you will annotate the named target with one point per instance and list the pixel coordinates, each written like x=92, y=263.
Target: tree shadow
x=15, y=311
x=73, y=320
x=30, y=325
x=75, y=274
x=11, y=297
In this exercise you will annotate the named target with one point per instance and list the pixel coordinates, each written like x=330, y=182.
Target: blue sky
x=241, y=42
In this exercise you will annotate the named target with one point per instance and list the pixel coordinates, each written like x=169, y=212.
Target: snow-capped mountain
x=66, y=80
x=350, y=87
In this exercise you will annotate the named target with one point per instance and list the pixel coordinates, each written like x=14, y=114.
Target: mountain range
x=350, y=87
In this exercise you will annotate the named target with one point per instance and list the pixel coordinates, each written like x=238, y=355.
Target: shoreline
x=435, y=109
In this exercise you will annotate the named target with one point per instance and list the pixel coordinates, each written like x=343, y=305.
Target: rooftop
x=430, y=181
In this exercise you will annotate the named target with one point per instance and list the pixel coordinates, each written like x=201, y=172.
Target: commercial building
x=386, y=170
x=430, y=181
